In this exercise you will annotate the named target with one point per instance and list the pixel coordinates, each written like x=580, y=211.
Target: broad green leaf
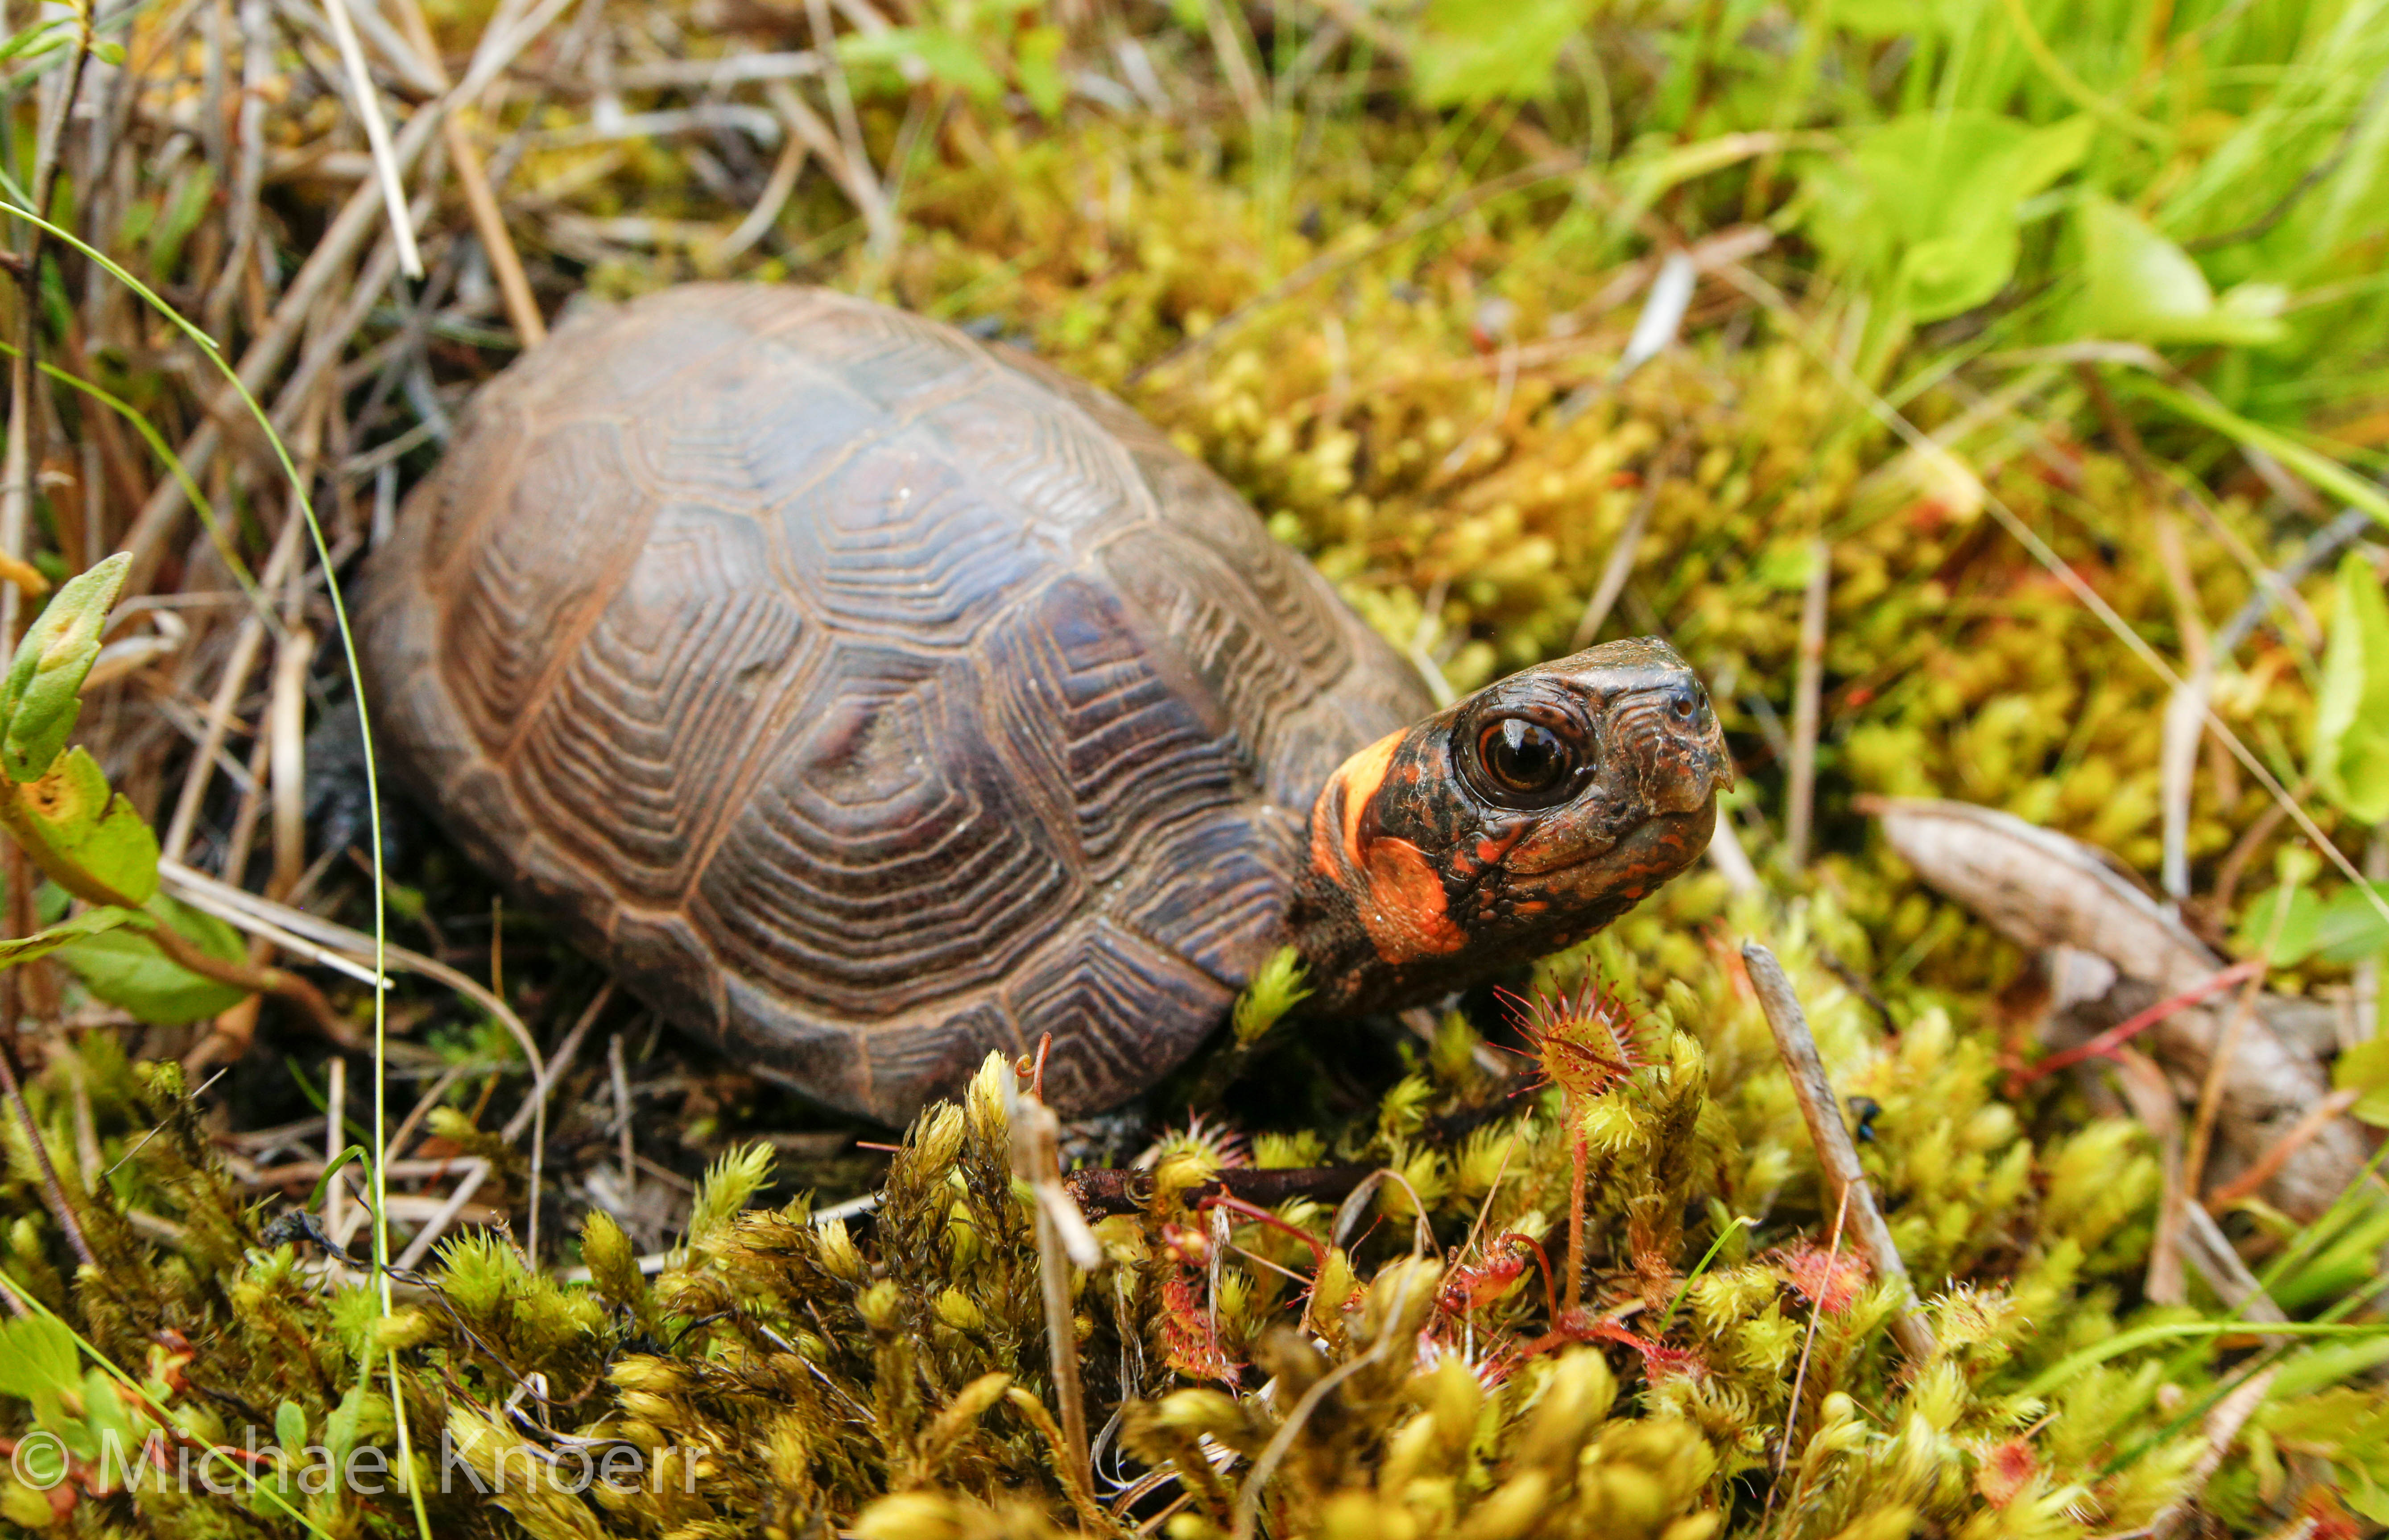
x=126, y=968
x=1949, y=273
x=37, y=1356
x=39, y=698
x=2365, y=1069
x=948, y=55
x=2350, y=759
x=107, y=1415
x=2301, y=930
x=2137, y=284
x=1475, y=51
x=39, y=1364
x=80, y=824
x=1929, y=202
x=23, y=1507
x=24, y=948
x=341, y=1423
x=2350, y=929
x=1035, y=59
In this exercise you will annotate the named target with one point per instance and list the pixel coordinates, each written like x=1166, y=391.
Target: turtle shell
x=868, y=697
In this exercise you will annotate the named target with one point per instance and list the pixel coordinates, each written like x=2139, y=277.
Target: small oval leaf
x=41, y=698
x=124, y=968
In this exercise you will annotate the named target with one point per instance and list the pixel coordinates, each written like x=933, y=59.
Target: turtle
x=870, y=698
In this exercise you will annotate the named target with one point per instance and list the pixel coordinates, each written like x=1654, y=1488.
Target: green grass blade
x=373, y=803
x=2065, y=1368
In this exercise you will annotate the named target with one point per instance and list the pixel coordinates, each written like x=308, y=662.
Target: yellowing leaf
x=2365, y=1069
x=74, y=826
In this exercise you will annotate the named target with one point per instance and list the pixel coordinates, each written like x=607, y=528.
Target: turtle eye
x=1524, y=759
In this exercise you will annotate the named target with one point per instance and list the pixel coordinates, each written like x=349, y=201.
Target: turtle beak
x=1660, y=719
x=1675, y=737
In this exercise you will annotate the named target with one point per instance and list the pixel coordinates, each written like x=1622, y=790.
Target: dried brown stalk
x=2218, y=1071
x=336, y=1135
x=2222, y=1430
x=481, y=197
x=2267, y=1165
x=286, y=759
x=1836, y=1153
x=1620, y=565
x=1063, y=1240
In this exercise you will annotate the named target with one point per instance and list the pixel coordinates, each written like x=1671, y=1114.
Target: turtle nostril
x=1679, y=701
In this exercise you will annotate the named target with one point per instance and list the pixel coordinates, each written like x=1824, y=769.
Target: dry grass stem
x=335, y=1137
x=366, y=102
x=1836, y=1153
x=1063, y=1240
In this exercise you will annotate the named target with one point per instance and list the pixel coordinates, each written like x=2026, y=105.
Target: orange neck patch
x=1395, y=889
x=1358, y=779
x=1403, y=904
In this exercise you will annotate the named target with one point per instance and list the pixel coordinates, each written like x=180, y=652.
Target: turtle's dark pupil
x=1522, y=756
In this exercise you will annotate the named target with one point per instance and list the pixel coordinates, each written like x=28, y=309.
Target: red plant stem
x=1263, y=1216
x=1542, y=1260
x=1577, y=1156
x=2123, y=1032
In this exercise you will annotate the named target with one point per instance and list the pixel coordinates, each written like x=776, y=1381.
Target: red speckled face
x=1511, y=825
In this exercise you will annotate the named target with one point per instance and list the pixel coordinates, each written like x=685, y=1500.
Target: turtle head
x=1510, y=825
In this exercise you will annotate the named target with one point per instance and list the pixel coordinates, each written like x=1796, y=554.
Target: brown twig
x=27, y=422
x=1622, y=555
x=1102, y=1190
x=2235, y=863
x=620, y=1075
x=1836, y=1153
x=2269, y=1164
x=246, y=644
x=536, y=1112
x=2218, y=1068
x=1062, y=1239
